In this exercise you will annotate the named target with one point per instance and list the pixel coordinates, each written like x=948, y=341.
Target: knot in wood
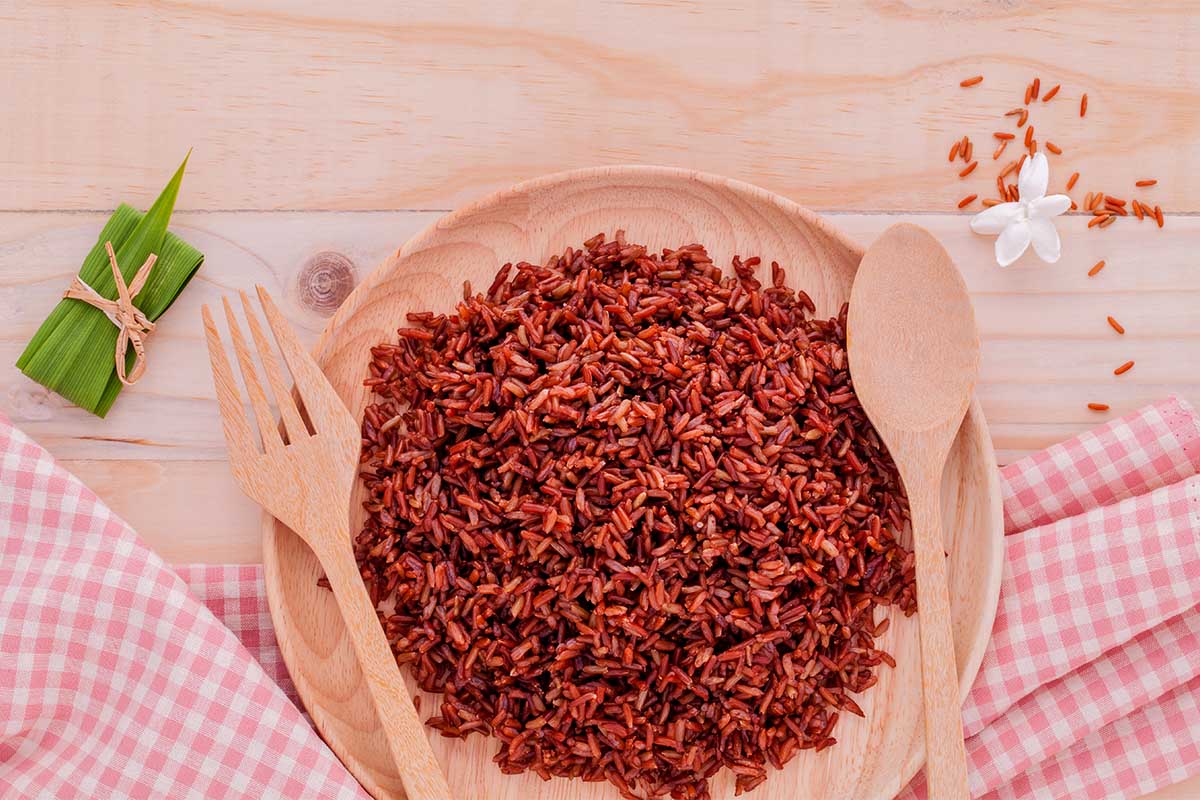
x=325, y=281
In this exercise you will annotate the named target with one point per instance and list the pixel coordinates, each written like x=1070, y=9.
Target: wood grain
x=160, y=500
x=876, y=754
x=376, y=105
x=1185, y=790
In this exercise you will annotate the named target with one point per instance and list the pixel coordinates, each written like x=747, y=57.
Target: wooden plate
x=659, y=207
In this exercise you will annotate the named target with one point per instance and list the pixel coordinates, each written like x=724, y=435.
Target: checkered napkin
x=1090, y=687
x=1091, y=684
x=115, y=682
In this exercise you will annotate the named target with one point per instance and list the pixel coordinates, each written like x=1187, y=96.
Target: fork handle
x=419, y=770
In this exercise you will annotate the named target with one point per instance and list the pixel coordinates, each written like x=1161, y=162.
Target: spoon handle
x=946, y=759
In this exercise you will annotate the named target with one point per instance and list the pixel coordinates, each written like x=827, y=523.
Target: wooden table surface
x=325, y=137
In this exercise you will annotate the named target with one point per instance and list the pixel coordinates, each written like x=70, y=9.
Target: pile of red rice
x=631, y=519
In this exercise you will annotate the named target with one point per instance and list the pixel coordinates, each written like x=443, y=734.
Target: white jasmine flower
x=1030, y=220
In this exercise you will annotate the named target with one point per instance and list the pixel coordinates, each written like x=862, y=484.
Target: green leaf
x=72, y=352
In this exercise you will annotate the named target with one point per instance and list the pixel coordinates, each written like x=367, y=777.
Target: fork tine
x=267, y=428
x=296, y=429
x=314, y=387
x=233, y=419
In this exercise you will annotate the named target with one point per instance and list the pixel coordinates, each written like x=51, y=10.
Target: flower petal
x=1045, y=240
x=1012, y=242
x=1034, y=178
x=1052, y=206
x=995, y=219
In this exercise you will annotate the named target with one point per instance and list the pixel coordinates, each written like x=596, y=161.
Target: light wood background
x=326, y=133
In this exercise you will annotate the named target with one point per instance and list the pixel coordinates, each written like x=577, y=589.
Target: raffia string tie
x=130, y=321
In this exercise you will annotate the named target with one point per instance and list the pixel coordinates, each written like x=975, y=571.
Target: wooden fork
x=305, y=480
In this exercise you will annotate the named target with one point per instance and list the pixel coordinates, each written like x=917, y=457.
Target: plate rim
x=417, y=242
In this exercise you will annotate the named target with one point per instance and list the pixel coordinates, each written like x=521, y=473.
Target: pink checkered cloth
x=116, y=682
x=1091, y=684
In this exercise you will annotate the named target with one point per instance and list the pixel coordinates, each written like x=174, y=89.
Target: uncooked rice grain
x=634, y=523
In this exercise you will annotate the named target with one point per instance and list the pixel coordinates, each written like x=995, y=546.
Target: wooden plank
x=379, y=105
x=1187, y=790
x=186, y=511
x=1047, y=350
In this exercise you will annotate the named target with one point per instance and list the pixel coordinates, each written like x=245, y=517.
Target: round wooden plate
x=876, y=755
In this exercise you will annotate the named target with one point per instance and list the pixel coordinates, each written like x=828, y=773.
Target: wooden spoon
x=914, y=359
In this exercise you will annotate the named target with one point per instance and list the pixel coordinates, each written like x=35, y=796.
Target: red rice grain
x=978, y=79
x=1046, y=98
x=633, y=523
x=1121, y=370
x=1098, y=406
x=1116, y=326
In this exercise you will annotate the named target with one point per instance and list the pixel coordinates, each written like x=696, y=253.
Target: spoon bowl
x=912, y=326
